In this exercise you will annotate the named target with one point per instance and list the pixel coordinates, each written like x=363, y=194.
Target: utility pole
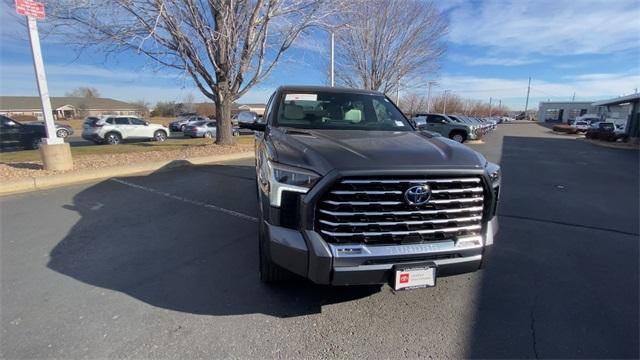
x=429, y=96
x=55, y=153
x=500, y=106
x=332, y=58
x=573, y=98
x=444, y=106
x=490, y=99
x=526, y=104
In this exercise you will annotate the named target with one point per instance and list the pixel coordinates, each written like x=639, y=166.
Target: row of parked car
x=459, y=128
x=596, y=127
x=14, y=134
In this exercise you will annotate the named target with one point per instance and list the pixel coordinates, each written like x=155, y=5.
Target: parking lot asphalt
x=165, y=266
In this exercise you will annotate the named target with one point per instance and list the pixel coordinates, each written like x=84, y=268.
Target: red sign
x=404, y=278
x=30, y=8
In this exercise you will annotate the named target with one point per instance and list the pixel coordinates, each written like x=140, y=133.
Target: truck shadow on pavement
x=157, y=239
x=562, y=281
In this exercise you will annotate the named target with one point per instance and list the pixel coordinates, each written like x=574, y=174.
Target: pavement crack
x=533, y=332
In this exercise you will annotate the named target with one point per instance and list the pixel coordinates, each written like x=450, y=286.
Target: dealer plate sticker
x=301, y=97
x=415, y=278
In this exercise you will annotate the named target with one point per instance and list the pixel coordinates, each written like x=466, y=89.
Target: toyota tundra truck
x=349, y=192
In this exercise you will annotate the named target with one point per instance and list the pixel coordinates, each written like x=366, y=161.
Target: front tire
x=113, y=138
x=208, y=135
x=269, y=272
x=160, y=136
x=182, y=128
x=458, y=137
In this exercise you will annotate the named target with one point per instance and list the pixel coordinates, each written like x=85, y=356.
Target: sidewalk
x=89, y=175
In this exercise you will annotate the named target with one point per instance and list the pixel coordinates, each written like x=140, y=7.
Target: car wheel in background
x=182, y=127
x=457, y=137
x=208, y=135
x=62, y=133
x=35, y=143
x=236, y=133
x=113, y=138
x=160, y=135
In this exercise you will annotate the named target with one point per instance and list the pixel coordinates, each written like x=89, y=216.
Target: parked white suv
x=114, y=129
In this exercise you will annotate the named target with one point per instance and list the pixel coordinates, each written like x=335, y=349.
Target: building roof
x=26, y=103
x=618, y=100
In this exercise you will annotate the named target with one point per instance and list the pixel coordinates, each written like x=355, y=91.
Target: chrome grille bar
x=392, y=223
x=437, y=201
x=430, y=231
x=402, y=213
x=413, y=181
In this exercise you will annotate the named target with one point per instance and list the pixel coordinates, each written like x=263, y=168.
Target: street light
x=444, y=106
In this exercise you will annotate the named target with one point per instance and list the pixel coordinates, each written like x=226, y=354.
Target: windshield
x=340, y=111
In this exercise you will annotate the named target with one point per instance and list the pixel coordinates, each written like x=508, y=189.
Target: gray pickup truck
x=349, y=192
x=447, y=126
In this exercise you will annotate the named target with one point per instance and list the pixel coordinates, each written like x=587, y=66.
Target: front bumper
x=307, y=254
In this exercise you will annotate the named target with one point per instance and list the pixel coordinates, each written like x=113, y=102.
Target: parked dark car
x=14, y=135
x=349, y=192
x=604, y=131
x=62, y=130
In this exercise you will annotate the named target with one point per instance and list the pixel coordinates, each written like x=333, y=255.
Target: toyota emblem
x=418, y=195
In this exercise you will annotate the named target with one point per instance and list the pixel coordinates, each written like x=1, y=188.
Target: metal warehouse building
x=563, y=112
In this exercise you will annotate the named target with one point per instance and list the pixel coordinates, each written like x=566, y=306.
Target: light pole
x=55, y=153
x=333, y=44
x=431, y=83
x=444, y=106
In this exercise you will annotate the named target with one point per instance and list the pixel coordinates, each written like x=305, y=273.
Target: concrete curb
x=91, y=175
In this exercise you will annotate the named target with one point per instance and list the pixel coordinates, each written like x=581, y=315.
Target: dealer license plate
x=415, y=277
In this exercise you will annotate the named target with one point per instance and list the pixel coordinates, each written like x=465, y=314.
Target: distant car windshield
x=198, y=123
x=340, y=111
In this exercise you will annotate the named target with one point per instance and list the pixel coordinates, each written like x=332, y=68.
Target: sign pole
x=41, y=78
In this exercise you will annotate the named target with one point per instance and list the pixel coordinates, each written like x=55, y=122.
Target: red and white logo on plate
x=404, y=278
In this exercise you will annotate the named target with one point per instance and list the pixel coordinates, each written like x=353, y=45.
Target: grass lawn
x=168, y=145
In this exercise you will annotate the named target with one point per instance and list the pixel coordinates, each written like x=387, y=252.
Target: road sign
x=30, y=8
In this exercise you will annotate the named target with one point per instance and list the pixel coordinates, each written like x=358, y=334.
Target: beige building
x=66, y=107
x=257, y=108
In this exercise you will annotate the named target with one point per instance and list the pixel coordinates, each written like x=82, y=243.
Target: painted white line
x=188, y=201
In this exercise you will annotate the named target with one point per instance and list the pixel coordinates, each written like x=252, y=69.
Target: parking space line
x=188, y=201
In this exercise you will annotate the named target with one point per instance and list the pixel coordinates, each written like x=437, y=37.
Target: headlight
x=493, y=170
x=275, y=178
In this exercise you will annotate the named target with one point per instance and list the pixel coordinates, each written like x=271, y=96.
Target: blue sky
x=589, y=47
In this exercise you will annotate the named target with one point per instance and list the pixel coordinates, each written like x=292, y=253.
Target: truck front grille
x=375, y=211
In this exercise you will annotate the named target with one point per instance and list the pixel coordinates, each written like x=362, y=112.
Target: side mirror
x=249, y=120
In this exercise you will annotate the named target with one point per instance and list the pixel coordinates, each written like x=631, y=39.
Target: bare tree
x=188, y=103
x=224, y=46
x=84, y=91
x=142, y=106
x=388, y=42
x=413, y=103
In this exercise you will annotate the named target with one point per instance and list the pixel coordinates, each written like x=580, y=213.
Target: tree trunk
x=224, y=134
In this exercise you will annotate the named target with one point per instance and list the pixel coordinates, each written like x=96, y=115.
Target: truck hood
x=326, y=150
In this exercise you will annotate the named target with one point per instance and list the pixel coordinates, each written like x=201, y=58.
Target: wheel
x=35, y=143
x=208, y=135
x=62, y=133
x=458, y=137
x=160, y=135
x=236, y=133
x=269, y=272
x=182, y=127
x=113, y=138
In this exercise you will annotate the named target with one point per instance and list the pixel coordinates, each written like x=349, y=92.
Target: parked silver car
x=201, y=128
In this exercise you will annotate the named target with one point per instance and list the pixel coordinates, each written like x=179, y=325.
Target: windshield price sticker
x=301, y=97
